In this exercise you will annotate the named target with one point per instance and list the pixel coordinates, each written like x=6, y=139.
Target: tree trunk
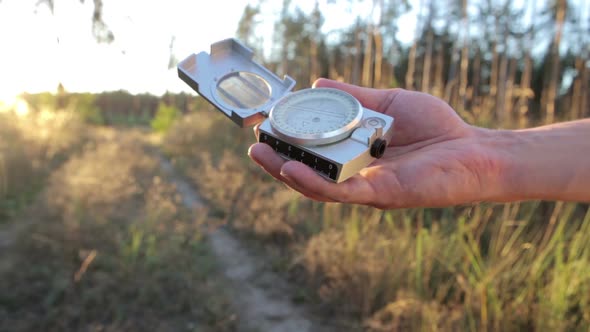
x=580, y=91
x=502, y=85
x=314, y=66
x=464, y=55
x=585, y=90
x=313, y=54
x=366, y=77
x=427, y=61
x=411, y=66
x=509, y=93
x=491, y=99
x=551, y=92
x=438, y=88
x=475, y=82
x=348, y=64
x=412, y=53
x=451, y=88
x=525, y=92
x=357, y=63
x=378, y=60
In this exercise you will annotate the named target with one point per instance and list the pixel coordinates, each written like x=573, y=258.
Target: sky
x=32, y=59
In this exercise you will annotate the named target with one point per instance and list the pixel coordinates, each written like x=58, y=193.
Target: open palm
x=433, y=159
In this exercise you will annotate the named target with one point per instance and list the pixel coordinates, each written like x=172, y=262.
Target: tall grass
x=481, y=270
x=111, y=248
x=210, y=150
x=30, y=147
x=490, y=267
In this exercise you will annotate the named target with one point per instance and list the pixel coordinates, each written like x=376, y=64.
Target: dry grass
x=491, y=267
x=486, y=269
x=111, y=249
x=209, y=149
x=30, y=147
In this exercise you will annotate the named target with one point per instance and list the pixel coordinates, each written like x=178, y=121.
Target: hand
x=433, y=159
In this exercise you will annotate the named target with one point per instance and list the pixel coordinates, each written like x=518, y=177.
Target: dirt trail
x=260, y=297
x=9, y=232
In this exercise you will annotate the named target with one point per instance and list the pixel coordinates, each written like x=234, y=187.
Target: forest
x=97, y=234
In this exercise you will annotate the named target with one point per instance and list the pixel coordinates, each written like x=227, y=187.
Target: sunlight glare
x=7, y=102
x=13, y=103
x=21, y=107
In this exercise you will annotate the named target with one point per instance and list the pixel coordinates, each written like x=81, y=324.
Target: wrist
x=550, y=163
x=498, y=168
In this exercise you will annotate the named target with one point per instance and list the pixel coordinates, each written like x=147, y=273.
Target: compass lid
x=232, y=81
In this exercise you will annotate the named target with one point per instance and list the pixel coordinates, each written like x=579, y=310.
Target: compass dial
x=316, y=116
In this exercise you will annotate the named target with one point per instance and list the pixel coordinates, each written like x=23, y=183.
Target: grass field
x=501, y=267
x=103, y=243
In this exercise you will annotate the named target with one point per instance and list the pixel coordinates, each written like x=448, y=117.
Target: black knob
x=378, y=148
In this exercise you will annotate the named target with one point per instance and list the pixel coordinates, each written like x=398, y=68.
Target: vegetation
x=105, y=240
x=487, y=267
x=31, y=146
x=507, y=267
x=165, y=117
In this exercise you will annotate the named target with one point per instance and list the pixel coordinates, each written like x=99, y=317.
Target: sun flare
x=13, y=103
x=7, y=102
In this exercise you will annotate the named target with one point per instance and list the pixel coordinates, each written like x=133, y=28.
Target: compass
x=326, y=129
x=316, y=116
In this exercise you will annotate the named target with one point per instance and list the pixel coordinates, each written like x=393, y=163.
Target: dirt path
x=260, y=297
x=9, y=232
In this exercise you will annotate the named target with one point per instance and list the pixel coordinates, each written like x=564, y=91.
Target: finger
x=271, y=162
x=354, y=190
x=291, y=184
x=375, y=99
x=265, y=157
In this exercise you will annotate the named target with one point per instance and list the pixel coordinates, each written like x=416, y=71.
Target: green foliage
x=85, y=105
x=165, y=117
x=41, y=101
x=119, y=108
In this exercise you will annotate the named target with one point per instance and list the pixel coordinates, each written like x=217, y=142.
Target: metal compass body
x=326, y=129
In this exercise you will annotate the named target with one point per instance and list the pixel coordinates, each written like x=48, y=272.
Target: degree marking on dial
x=316, y=117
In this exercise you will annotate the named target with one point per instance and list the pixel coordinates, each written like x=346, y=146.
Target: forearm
x=550, y=162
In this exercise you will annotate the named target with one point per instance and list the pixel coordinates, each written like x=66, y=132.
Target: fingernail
x=250, y=150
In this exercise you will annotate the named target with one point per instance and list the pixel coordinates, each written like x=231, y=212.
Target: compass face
x=316, y=116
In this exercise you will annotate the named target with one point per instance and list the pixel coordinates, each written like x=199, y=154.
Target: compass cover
x=230, y=79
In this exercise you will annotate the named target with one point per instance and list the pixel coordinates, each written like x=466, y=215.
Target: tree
x=412, y=54
x=247, y=28
x=559, y=11
x=100, y=30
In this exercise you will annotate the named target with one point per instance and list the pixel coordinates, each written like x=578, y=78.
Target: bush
x=165, y=117
x=85, y=105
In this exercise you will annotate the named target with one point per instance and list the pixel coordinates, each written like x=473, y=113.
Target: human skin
x=435, y=159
